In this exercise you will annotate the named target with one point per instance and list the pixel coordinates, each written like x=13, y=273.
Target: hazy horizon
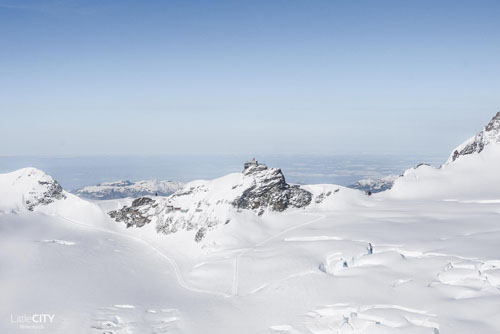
x=76, y=172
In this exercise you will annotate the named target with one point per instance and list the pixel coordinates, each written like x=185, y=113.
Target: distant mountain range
x=123, y=189
x=375, y=185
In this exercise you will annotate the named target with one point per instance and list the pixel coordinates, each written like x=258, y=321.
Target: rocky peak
x=270, y=190
x=250, y=164
x=204, y=205
x=29, y=188
x=490, y=134
x=494, y=124
x=44, y=189
x=134, y=214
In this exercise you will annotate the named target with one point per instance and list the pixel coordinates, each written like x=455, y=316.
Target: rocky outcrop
x=270, y=190
x=50, y=191
x=123, y=189
x=135, y=214
x=490, y=134
x=204, y=205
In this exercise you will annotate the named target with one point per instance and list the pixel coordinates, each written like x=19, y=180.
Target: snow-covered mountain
x=204, y=205
x=30, y=189
x=125, y=188
x=471, y=172
x=375, y=185
x=490, y=134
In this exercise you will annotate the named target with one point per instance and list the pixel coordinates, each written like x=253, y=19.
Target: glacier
x=251, y=253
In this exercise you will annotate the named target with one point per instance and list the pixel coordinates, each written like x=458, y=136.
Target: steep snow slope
x=490, y=134
x=122, y=189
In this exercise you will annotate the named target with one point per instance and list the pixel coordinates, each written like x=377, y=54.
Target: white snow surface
x=420, y=258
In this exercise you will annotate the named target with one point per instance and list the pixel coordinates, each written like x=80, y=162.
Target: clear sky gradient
x=246, y=77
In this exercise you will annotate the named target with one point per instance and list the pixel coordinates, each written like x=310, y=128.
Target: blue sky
x=246, y=77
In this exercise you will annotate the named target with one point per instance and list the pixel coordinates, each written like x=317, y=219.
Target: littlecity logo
x=32, y=321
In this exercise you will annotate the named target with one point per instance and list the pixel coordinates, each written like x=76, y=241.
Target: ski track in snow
x=244, y=252
x=237, y=258
x=175, y=266
x=171, y=260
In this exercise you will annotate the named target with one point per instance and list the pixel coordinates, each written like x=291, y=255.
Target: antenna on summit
x=254, y=162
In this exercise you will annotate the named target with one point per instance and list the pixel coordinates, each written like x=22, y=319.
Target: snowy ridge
x=204, y=205
x=125, y=188
x=490, y=134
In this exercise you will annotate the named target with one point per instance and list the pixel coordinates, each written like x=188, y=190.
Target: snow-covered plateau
x=251, y=253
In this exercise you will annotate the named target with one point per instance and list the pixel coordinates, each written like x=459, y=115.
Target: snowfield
x=422, y=257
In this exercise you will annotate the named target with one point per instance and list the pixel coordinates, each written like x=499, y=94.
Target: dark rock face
x=494, y=124
x=53, y=191
x=133, y=215
x=321, y=197
x=474, y=147
x=491, y=133
x=200, y=234
x=270, y=191
x=142, y=201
